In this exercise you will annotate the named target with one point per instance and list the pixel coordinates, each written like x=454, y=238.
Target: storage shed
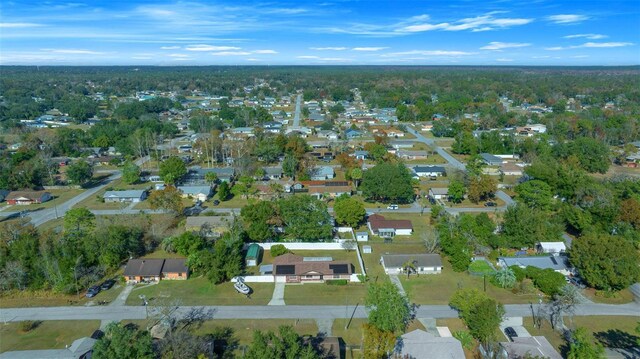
x=254, y=254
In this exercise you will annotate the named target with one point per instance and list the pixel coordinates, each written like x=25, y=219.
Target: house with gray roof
x=490, y=159
x=351, y=133
x=559, y=263
x=429, y=171
x=197, y=174
x=132, y=195
x=420, y=344
x=322, y=173
x=273, y=173
x=199, y=193
x=425, y=263
x=80, y=349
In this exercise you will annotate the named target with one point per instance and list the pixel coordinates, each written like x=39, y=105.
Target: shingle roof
x=377, y=221
x=419, y=344
x=175, y=265
x=542, y=262
x=143, y=267
x=291, y=264
x=25, y=194
x=439, y=169
x=133, y=193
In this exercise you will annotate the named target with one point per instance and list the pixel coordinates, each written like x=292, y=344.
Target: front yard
x=200, y=291
x=325, y=294
x=46, y=335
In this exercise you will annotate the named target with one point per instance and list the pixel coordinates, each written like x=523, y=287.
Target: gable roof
x=377, y=221
x=76, y=350
x=420, y=260
x=25, y=194
x=291, y=264
x=132, y=193
x=194, y=190
x=438, y=169
x=154, y=267
x=489, y=158
x=419, y=344
x=211, y=221
x=175, y=265
x=542, y=262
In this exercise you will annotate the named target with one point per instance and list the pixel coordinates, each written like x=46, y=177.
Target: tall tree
x=305, y=218
x=130, y=173
x=124, y=342
x=78, y=220
x=168, y=198
x=583, y=346
x=536, y=194
x=456, y=191
x=349, y=211
x=224, y=191
x=388, y=308
x=388, y=182
x=172, y=170
x=79, y=172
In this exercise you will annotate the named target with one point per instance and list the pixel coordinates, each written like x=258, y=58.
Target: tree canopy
x=388, y=182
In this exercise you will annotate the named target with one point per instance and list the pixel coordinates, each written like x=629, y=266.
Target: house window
x=179, y=274
x=308, y=276
x=132, y=277
x=336, y=276
x=293, y=277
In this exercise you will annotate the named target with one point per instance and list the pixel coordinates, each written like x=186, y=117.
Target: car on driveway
x=490, y=204
x=510, y=332
x=92, y=291
x=107, y=284
x=393, y=206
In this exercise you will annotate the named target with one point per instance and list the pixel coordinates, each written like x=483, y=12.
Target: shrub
x=278, y=250
x=519, y=272
x=547, y=280
x=28, y=325
x=337, y=282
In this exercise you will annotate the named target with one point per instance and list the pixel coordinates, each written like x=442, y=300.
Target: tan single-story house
x=439, y=193
x=298, y=269
x=154, y=270
x=23, y=198
x=380, y=226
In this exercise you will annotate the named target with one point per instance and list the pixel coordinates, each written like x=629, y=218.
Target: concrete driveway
x=516, y=324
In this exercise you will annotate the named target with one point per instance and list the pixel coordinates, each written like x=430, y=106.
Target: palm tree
x=505, y=277
x=409, y=267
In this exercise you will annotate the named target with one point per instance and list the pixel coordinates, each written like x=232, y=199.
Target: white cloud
x=504, y=60
x=479, y=23
x=264, y=51
x=498, y=46
x=540, y=57
x=324, y=59
x=329, y=48
x=586, y=36
x=284, y=11
x=369, y=48
x=169, y=47
x=184, y=56
x=253, y=59
x=591, y=45
x=579, y=56
x=605, y=44
x=429, y=53
x=210, y=48
x=74, y=51
x=307, y=57
x=567, y=18
x=230, y=53
x=18, y=25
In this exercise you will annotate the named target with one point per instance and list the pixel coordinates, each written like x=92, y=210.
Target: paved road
x=298, y=112
x=452, y=161
x=279, y=312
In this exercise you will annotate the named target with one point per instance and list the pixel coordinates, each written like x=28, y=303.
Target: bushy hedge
x=278, y=250
x=337, y=282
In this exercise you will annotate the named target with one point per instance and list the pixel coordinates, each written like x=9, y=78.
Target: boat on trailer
x=241, y=287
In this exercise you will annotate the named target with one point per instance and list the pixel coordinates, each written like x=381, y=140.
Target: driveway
x=516, y=324
x=278, y=294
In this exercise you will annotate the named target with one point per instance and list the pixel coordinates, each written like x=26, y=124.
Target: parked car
x=577, y=282
x=107, y=284
x=92, y=291
x=393, y=206
x=510, y=332
x=216, y=202
x=490, y=204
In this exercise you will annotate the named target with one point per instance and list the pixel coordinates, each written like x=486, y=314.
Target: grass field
x=324, y=294
x=480, y=266
x=200, y=291
x=621, y=297
x=47, y=335
x=17, y=299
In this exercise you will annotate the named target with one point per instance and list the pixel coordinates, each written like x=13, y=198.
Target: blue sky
x=369, y=32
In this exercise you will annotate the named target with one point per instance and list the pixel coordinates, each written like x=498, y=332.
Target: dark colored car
x=216, y=202
x=510, y=332
x=490, y=204
x=93, y=291
x=577, y=282
x=107, y=284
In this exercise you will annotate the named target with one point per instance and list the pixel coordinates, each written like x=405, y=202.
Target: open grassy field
x=325, y=294
x=200, y=291
x=47, y=335
x=620, y=297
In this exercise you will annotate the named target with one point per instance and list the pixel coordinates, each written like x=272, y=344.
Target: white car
x=393, y=206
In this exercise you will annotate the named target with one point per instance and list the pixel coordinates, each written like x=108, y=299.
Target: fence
x=302, y=246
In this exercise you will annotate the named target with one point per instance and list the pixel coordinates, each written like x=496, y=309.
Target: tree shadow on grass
x=616, y=338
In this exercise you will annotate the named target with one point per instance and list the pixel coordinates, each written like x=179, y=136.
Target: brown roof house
x=298, y=269
x=154, y=270
x=24, y=198
x=380, y=226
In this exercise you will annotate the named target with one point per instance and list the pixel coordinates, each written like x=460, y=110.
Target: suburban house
x=439, y=193
x=199, y=193
x=298, y=269
x=273, y=173
x=154, y=270
x=133, y=195
x=224, y=174
x=23, y=198
x=209, y=226
x=361, y=154
x=412, y=155
x=380, y=226
x=80, y=349
x=551, y=247
x=254, y=255
x=322, y=173
x=427, y=263
x=511, y=169
x=420, y=344
x=491, y=160
x=429, y=171
x=328, y=134
x=351, y=133
x=558, y=263
x=524, y=347
x=247, y=131
x=272, y=126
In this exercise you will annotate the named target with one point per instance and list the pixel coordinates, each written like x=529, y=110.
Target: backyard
x=46, y=335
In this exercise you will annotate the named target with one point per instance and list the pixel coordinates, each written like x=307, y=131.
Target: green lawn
x=372, y=260
x=480, y=266
x=232, y=202
x=620, y=297
x=611, y=331
x=16, y=299
x=199, y=291
x=47, y=335
x=438, y=288
x=435, y=159
x=324, y=294
x=95, y=201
